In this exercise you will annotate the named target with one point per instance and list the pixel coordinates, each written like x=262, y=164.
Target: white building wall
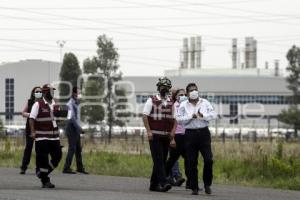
x=26, y=74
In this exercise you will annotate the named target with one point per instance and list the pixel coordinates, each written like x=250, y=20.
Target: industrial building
x=243, y=94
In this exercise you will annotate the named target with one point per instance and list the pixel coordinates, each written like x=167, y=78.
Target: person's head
x=163, y=86
x=75, y=92
x=48, y=91
x=36, y=93
x=179, y=95
x=192, y=91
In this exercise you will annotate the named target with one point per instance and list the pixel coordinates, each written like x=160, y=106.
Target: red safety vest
x=44, y=128
x=161, y=120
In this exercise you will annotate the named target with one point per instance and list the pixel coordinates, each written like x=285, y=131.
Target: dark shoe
x=22, y=171
x=82, y=171
x=160, y=188
x=48, y=185
x=68, y=171
x=207, y=189
x=195, y=192
x=166, y=187
x=156, y=188
x=171, y=181
x=179, y=181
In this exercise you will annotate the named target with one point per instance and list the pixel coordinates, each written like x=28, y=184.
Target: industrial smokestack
x=192, y=52
x=250, y=53
x=198, y=52
x=254, y=54
x=266, y=65
x=234, y=53
x=276, y=72
x=185, y=52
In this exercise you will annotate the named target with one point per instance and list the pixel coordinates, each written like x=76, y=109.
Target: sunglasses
x=38, y=92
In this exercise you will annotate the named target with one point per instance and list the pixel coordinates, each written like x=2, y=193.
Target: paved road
x=91, y=187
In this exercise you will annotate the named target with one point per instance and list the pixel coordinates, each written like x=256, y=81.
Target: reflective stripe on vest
x=160, y=132
x=44, y=119
x=47, y=132
x=160, y=116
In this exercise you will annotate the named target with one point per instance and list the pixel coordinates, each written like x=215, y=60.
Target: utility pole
x=110, y=111
x=61, y=44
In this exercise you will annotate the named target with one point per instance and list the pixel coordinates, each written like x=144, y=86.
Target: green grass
x=274, y=165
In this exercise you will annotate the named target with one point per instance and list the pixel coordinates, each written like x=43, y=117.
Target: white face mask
x=194, y=95
x=38, y=95
x=182, y=98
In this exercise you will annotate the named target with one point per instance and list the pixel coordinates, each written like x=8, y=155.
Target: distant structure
x=191, y=54
x=250, y=53
x=235, y=53
x=18, y=79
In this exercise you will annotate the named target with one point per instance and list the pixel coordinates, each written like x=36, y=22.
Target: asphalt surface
x=90, y=187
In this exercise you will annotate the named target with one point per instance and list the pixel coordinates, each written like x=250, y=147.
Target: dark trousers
x=43, y=149
x=74, y=148
x=27, y=152
x=175, y=153
x=159, y=147
x=195, y=141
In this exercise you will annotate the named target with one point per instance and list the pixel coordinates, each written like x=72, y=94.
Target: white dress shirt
x=149, y=104
x=186, y=110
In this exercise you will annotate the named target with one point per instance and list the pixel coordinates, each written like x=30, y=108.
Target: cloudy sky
x=148, y=34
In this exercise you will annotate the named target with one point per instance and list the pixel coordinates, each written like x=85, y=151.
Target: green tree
x=106, y=64
x=70, y=71
x=91, y=112
x=121, y=112
x=292, y=114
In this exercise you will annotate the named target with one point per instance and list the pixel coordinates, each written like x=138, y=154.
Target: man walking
x=160, y=125
x=195, y=115
x=45, y=132
x=73, y=131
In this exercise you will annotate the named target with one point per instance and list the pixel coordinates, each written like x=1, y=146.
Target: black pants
x=159, y=147
x=27, y=152
x=195, y=141
x=43, y=149
x=175, y=153
x=74, y=148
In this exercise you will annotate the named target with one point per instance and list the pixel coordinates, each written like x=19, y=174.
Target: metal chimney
x=276, y=72
x=192, y=52
x=198, y=52
x=234, y=53
x=185, y=52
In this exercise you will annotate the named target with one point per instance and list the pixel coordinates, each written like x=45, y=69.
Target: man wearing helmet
x=160, y=124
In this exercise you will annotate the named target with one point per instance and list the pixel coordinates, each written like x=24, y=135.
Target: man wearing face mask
x=44, y=130
x=195, y=115
x=160, y=125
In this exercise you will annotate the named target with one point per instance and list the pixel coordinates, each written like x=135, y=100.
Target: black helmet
x=164, y=81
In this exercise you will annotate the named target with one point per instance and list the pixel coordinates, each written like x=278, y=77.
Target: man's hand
x=32, y=135
x=173, y=143
x=199, y=115
x=150, y=135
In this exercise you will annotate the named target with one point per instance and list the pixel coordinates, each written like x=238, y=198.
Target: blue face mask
x=38, y=95
x=182, y=98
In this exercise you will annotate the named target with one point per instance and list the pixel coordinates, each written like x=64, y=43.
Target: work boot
x=179, y=181
x=48, y=185
x=207, y=189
